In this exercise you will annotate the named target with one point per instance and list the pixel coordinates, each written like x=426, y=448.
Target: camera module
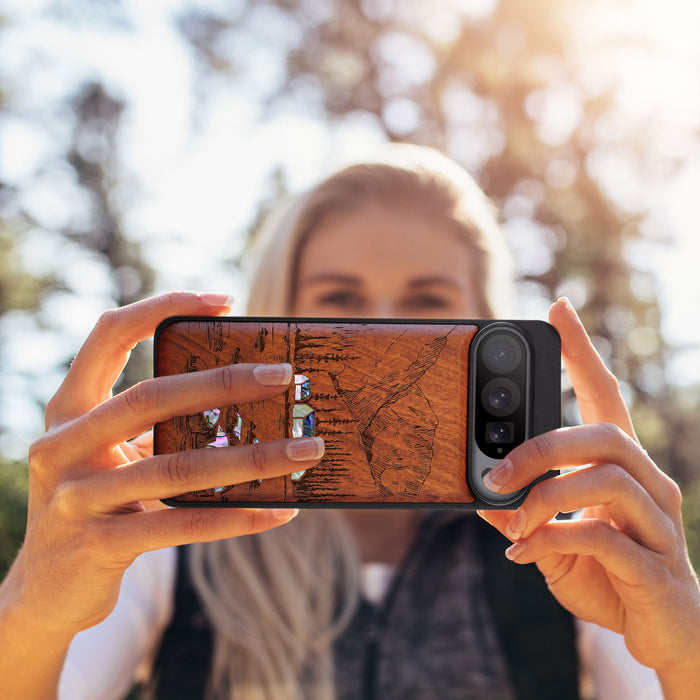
x=505, y=359
x=501, y=389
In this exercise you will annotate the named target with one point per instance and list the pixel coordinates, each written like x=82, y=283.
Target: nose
x=382, y=308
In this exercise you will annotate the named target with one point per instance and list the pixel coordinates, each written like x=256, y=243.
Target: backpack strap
x=183, y=664
x=536, y=633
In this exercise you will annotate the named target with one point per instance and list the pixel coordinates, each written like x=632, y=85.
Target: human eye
x=344, y=299
x=427, y=302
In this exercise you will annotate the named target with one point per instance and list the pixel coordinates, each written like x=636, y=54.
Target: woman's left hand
x=623, y=564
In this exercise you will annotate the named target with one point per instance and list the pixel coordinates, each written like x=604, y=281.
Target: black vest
x=420, y=644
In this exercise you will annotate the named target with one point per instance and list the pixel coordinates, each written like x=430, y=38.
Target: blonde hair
x=416, y=176
x=277, y=600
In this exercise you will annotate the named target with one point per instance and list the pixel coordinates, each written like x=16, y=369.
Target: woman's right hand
x=88, y=516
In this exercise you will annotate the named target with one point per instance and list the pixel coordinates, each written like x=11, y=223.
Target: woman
x=410, y=236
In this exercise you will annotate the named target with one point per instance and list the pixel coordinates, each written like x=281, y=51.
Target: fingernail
x=569, y=306
x=285, y=513
x=218, y=299
x=499, y=476
x=517, y=524
x=274, y=375
x=515, y=550
x=305, y=449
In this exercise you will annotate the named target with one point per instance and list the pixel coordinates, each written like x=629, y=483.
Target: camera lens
x=499, y=432
x=500, y=396
x=502, y=353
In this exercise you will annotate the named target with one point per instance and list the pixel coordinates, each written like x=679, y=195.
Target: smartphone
x=412, y=413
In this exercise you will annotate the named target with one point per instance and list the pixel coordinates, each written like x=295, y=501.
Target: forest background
x=140, y=144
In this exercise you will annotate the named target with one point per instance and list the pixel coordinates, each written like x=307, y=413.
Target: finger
x=138, y=448
x=606, y=486
x=579, y=445
x=165, y=476
x=143, y=444
x=154, y=400
x=596, y=388
x=105, y=352
x=497, y=518
x=142, y=532
x=130, y=451
x=614, y=550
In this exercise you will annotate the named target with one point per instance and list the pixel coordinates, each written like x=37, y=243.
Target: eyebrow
x=433, y=281
x=333, y=277
x=350, y=280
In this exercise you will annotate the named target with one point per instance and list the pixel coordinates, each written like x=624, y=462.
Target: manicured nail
x=499, y=476
x=515, y=550
x=285, y=513
x=517, y=525
x=218, y=299
x=305, y=449
x=569, y=306
x=274, y=375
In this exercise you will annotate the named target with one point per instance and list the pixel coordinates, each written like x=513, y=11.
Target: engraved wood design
x=389, y=400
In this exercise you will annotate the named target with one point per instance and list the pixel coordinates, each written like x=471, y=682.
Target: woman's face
x=385, y=261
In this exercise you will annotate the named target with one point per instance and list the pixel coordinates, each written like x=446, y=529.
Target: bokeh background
x=140, y=143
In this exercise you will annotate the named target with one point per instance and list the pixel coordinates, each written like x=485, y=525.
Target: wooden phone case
x=389, y=399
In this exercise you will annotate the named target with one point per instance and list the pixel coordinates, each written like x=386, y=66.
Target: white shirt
x=104, y=661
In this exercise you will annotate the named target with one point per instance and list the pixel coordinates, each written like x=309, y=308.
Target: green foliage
x=14, y=485
x=691, y=521
x=18, y=290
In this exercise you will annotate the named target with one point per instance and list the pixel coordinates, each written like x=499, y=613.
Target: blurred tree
x=18, y=291
x=13, y=510
x=93, y=155
x=91, y=235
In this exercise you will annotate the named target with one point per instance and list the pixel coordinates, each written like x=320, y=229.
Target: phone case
x=390, y=400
